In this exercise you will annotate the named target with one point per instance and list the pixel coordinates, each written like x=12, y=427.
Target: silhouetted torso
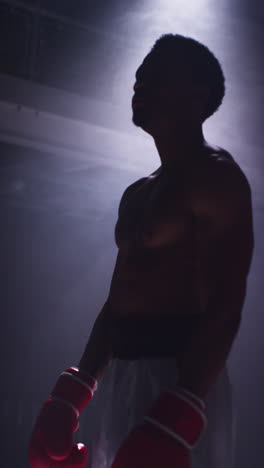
x=157, y=277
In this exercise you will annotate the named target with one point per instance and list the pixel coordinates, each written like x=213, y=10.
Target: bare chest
x=157, y=214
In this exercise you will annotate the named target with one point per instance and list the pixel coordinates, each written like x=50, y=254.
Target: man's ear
x=200, y=94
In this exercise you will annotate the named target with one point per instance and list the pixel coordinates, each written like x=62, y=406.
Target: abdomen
x=155, y=282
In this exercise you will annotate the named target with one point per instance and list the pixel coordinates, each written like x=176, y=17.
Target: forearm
x=97, y=353
x=207, y=351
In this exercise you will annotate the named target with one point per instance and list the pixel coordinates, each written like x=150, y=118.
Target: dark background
x=69, y=149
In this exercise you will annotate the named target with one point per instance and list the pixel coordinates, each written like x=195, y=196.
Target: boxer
x=185, y=241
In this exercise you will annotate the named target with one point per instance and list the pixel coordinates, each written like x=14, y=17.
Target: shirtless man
x=185, y=241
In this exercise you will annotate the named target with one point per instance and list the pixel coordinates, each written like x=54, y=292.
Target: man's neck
x=180, y=147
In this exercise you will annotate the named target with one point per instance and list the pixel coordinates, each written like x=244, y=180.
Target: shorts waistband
x=133, y=337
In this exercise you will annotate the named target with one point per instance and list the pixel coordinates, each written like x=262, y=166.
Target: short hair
x=200, y=61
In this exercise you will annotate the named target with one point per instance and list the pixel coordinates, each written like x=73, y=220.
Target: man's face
x=162, y=99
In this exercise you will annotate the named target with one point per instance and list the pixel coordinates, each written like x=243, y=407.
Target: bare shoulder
x=222, y=190
x=128, y=192
x=223, y=173
x=133, y=187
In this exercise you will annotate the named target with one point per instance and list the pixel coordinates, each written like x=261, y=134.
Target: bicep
x=224, y=256
x=225, y=239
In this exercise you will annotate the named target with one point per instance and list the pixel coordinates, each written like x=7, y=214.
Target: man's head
x=181, y=82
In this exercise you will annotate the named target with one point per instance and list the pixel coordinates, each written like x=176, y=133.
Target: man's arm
x=224, y=246
x=208, y=349
x=97, y=353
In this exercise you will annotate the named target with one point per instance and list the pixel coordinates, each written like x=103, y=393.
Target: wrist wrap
x=74, y=388
x=180, y=414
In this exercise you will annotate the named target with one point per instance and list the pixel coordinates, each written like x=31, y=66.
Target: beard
x=141, y=116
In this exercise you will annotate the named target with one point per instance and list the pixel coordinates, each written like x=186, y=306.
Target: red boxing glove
x=51, y=444
x=171, y=428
